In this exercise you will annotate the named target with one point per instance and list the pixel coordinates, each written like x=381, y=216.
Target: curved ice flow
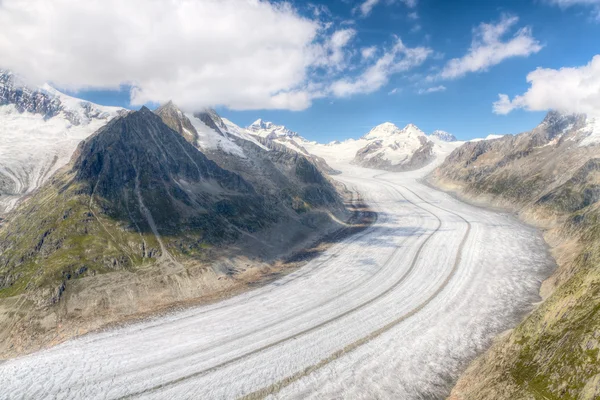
x=248, y=343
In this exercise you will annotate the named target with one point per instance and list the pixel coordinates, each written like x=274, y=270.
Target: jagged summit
x=139, y=149
x=176, y=120
x=443, y=136
x=269, y=130
x=388, y=129
x=382, y=130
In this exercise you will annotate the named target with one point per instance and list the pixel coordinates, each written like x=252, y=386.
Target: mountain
x=550, y=177
x=393, y=149
x=292, y=182
x=269, y=130
x=141, y=219
x=39, y=130
x=385, y=147
x=443, y=136
x=135, y=191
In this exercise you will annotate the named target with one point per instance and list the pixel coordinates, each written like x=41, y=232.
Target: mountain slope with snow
x=550, y=176
x=394, y=149
x=39, y=131
x=443, y=135
x=384, y=147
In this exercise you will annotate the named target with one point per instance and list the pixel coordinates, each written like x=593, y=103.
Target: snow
x=592, y=130
x=488, y=137
x=32, y=148
x=410, y=301
x=442, y=135
x=209, y=139
x=241, y=133
x=269, y=130
x=397, y=144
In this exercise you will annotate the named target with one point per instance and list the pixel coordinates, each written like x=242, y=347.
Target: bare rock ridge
x=290, y=181
x=551, y=177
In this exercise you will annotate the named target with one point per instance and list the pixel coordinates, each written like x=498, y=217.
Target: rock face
x=39, y=130
x=290, y=181
x=551, y=177
x=393, y=149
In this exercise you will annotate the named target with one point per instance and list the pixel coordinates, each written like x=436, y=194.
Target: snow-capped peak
x=443, y=136
x=412, y=129
x=382, y=131
x=388, y=129
x=269, y=130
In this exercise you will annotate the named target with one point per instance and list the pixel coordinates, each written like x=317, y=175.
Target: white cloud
x=410, y=3
x=569, y=90
x=394, y=91
x=398, y=59
x=413, y=15
x=368, y=52
x=338, y=41
x=366, y=7
x=570, y=3
x=488, y=49
x=244, y=54
x=434, y=89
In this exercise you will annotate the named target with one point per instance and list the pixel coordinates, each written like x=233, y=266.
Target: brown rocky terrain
x=552, y=180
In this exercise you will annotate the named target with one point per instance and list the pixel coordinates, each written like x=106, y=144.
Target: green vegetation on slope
x=59, y=237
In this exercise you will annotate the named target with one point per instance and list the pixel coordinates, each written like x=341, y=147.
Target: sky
x=329, y=70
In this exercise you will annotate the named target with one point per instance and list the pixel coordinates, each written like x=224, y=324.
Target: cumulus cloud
x=569, y=90
x=397, y=59
x=488, y=48
x=434, y=89
x=244, y=54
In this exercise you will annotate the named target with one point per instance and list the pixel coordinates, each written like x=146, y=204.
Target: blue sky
x=566, y=36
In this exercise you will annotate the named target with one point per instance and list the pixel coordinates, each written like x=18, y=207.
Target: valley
x=432, y=279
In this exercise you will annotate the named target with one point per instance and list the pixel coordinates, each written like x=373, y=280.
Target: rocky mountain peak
x=269, y=130
x=381, y=131
x=443, y=136
x=176, y=120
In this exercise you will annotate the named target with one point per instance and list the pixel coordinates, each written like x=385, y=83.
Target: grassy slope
x=68, y=241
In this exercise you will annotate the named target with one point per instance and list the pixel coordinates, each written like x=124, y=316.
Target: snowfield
x=396, y=311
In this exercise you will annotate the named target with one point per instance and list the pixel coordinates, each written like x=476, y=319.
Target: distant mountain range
x=385, y=147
